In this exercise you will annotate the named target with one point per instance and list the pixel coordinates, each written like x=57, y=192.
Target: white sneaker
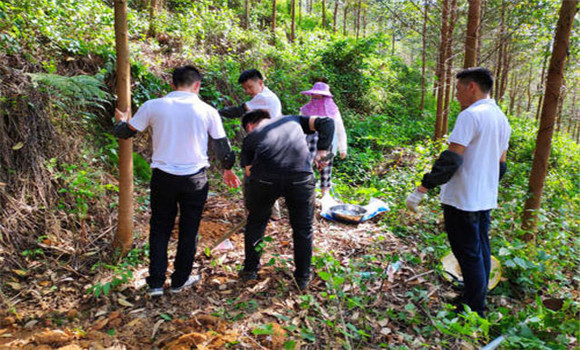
x=190, y=282
x=155, y=292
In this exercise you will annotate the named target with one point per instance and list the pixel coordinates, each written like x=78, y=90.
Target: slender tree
x=323, y=14
x=470, y=58
x=293, y=14
x=152, y=31
x=546, y=130
x=449, y=66
x=345, y=16
x=247, y=14
x=358, y=17
x=441, y=71
x=424, y=54
x=124, y=235
x=335, y=16
x=273, y=28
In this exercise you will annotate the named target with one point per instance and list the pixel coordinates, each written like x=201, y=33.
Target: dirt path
x=56, y=312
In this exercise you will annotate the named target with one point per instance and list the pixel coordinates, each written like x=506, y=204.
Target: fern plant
x=77, y=94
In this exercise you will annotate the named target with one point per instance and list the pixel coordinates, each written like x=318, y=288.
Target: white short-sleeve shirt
x=266, y=100
x=180, y=123
x=484, y=130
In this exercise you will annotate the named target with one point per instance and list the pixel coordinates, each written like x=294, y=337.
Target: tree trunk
x=152, y=10
x=506, y=69
x=273, y=29
x=323, y=14
x=542, y=80
x=365, y=24
x=470, y=59
x=424, y=55
x=358, y=18
x=449, y=68
x=247, y=14
x=500, y=53
x=344, y=24
x=335, y=16
x=299, y=11
x=529, y=90
x=552, y=92
x=124, y=235
x=393, y=43
x=514, y=86
x=479, y=30
x=293, y=14
x=441, y=70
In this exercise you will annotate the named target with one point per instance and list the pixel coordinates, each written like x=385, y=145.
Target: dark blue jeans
x=468, y=236
x=261, y=194
x=168, y=191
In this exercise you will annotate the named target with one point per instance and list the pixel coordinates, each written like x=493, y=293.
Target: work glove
x=414, y=199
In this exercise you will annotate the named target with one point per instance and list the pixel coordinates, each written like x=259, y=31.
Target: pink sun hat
x=319, y=88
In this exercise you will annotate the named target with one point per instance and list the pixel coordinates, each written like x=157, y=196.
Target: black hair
x=253, y=74
x=185, y=76
x=481, y=76
x=254, y=116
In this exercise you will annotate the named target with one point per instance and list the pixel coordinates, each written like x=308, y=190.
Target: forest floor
x=53, y=310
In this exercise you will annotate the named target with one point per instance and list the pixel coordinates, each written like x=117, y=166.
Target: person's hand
x=231, y=179
x=342, y=154
x=414, y=199
x=321, y=159
x=121, y=116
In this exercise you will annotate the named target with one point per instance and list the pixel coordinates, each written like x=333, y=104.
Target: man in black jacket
x=276, y=160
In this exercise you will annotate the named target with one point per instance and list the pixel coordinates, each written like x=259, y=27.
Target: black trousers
x=468, y=235
x=168, y=191
x=261, y=194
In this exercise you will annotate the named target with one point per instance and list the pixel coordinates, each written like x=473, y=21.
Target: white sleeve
x=258, y=102
x=340, y=133
x=464, y=130
x=142, y=118
x=215, y=126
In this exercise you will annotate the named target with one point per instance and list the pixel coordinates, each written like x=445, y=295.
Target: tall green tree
x=124, y=235
x=551, y=95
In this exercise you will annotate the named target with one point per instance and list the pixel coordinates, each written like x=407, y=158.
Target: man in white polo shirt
x=181, y=124
x=470, y=170
x=252, y=82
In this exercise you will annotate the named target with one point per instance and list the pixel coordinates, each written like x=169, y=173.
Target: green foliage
x=77, y=94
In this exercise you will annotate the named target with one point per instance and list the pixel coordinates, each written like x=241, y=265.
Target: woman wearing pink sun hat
x=322, y=104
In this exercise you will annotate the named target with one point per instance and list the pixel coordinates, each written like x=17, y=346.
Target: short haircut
x=185, y=76
x=254, y=116
x=253, y=74
x=481, y=76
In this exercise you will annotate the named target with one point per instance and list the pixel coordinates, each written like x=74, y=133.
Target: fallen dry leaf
x=52, y=337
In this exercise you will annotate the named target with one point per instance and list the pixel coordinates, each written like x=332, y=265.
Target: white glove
x=414, y=199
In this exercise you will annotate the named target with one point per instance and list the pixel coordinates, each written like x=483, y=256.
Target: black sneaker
x=246, y=276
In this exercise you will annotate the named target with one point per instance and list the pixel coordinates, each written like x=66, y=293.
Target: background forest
x=390, y=65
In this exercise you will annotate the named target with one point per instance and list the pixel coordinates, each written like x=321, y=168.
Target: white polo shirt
x=485, y=132
x=180, y=123
x=266, y=100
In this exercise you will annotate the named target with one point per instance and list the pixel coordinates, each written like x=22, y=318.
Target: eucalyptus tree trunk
x=449, y=67
x=546, y=130
x=152, y=31
x=323, y=14
x=441, y=72
x=293, y=13
x=124, y=234
x=344, y=23
x=358, y=18
x=246, y=14
x=424, y=54
x=273, y=28
x=470, y=58
x=335, y=16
